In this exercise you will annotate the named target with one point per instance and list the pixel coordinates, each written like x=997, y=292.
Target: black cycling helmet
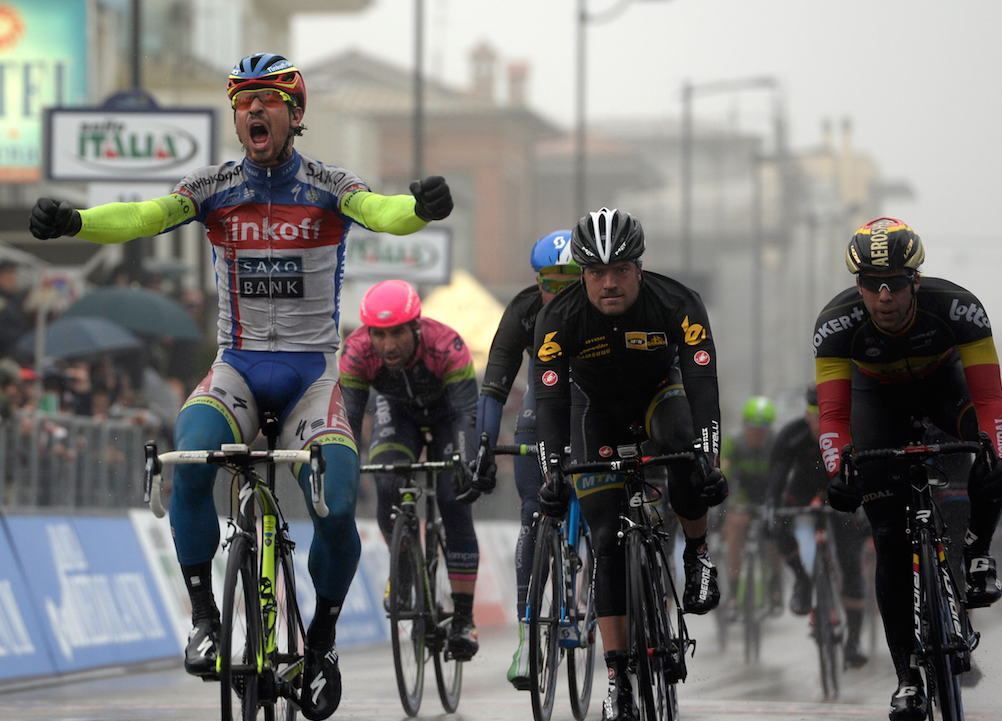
x=607, y=236
x=884, y=244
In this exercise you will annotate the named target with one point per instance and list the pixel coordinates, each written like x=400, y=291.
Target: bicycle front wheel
x=581, y=658
x=545, y=596
x=407, y=612
x=448, y=670
x=649, y=628
x=240, y=647
x=287, y=654
x=826, y=623
x=942, y=663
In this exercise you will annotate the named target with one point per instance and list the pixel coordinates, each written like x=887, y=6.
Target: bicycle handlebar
x=627, y=464
x=407, y=467
x=515, y=449
x=235, y=455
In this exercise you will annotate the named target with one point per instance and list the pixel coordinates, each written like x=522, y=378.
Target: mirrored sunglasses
x=555, y=285
x=268, y=98
x=893, y=283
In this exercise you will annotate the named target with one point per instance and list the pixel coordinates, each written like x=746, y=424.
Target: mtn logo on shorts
x=639, y=340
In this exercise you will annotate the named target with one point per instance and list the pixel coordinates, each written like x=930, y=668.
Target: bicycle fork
x=570, y=635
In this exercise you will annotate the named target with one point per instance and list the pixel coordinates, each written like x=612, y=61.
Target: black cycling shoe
x=321, y=692
x=202, y=649
x=463, y=641
x=800, y=599
x=619, y=704
x=982, y=581
x=908, y=703
x=701, y=594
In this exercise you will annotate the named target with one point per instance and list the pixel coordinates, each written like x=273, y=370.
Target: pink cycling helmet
x=390, y=303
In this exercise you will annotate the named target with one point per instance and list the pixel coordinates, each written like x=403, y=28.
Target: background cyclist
x=605, y=363
x=555, y=270
x=277, y=333
x=423, y=377
x=799, y=478
x=745, y=459
x=899, y=345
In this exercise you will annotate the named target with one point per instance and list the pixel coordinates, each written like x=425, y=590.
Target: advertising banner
x=97, y=601
x=95, y=144
x=23, y=651
x=421, y=257
x=43, y=63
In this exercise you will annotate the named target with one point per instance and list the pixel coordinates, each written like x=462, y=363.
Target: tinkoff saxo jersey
x=948, y=319
x=278, y=249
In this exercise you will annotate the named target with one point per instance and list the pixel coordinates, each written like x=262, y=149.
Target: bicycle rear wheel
x=240, y=648
x=407, y=612
x=648, y=627
x=581, y=659
x=287, y=656
x=942, y=665
x=826, y=624
x=545, y=597
x=448, y=671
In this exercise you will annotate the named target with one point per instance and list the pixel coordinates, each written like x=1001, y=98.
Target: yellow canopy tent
x=466, y=307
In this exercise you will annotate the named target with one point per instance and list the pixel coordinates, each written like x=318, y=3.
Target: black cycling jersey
x=619, y=362
x=514, y=335
x=798, y=475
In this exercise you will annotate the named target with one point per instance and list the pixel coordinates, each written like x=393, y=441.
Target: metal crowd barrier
x=66, y=461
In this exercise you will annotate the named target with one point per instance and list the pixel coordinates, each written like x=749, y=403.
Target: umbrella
x=141, y=311
x=79, y=337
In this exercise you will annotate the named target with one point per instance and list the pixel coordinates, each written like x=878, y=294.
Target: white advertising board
x=92, y=144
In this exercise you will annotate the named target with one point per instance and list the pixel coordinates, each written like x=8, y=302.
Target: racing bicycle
x=944, y=638
x=657, y=645
x=261, y=654
x=560, y=608
x=827, y=616
x=420, y=606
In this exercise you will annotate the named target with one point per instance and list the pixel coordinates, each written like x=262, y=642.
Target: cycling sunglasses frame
x=555, y=285
x=893, y=283
x=269, y=97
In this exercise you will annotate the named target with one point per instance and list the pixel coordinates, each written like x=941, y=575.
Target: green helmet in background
x=758, y=411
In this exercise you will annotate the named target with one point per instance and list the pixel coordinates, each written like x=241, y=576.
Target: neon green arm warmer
x=119, y=222
x=382, y=213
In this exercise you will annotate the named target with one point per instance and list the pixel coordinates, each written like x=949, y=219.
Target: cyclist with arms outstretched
x=555, y=270
x=277, y=221
x=627, y=350
x=423, y=377
x=895, y=347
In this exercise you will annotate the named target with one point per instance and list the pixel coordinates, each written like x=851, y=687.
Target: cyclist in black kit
x=896, y=346
x=604, y=367
x=800, y=477
x=555, y=271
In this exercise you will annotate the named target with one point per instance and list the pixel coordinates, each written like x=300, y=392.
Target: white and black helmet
x=607, y=236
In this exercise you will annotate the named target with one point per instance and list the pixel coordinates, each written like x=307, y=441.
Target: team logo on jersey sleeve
x=550, y=349
x=702, y=358
x=694, y=332
x=549, y=378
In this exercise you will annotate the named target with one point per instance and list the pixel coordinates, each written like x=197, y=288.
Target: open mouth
x=258, y=133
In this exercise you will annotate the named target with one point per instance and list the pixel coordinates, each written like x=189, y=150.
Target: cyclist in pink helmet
x=422, y=374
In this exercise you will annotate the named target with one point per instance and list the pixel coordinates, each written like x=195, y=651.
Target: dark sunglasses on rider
x=555, y=285
x=268, y=98
x=893, y=283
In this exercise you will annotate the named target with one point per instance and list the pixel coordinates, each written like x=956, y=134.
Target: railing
x=59, y=460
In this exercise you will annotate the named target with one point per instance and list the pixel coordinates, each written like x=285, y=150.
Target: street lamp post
x=580, y=152
x=418, y=89
x=689, y=92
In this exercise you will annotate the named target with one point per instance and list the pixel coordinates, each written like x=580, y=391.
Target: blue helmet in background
x=554, y=250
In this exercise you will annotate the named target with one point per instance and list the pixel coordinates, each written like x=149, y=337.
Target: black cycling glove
x=433, y=200
x=709, y=481
x=555, y=497
x=485, y=470
x=843, y=497
x=49, y=220
x=985, y=480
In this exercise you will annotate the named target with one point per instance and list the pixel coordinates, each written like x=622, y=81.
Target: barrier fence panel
x=59, y=460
